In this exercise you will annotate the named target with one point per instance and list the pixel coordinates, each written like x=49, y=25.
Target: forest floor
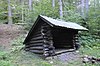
x=15, y=35
x=8, y=33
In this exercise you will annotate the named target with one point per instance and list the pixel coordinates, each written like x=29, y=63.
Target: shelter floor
x=59, y=51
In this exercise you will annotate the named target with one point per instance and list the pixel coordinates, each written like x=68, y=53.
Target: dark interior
x=62, y=38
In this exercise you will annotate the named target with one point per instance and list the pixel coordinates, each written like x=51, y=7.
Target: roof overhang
x=61, y=23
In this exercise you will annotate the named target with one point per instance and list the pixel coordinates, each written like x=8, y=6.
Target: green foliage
x=3, y=11
x=43, y=7
x=43, y=63
x=5, y=63
x=2, y=55
x=4, y=59
x=89, y=41
x=93, y=22
x=17, y=44
x=90, y=52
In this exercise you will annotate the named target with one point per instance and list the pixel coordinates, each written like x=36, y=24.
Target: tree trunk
x=94, y=3
x=82, y=8
x=9, y=13
x=98, y=3
x=22, y=11
x=60, y=9
x=87, y=7
x=30, y=5
x=53, y=3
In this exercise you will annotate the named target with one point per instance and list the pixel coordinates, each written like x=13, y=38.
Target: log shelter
x=50, y=37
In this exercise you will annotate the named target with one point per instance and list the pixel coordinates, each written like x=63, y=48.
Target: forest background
x=83, y=12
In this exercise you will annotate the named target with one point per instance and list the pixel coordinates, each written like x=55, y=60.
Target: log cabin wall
x=41, y=40
x=35, y=44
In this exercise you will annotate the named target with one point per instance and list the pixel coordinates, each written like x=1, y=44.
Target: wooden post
x=76, y=42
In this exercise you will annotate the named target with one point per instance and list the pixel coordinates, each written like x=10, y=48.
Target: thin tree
x=9, y=13
x=87, y=7
x=60, y=9
x=22, y=2
x=30, y=5
x=94, y=3
x=82, y=8
x=53, y=3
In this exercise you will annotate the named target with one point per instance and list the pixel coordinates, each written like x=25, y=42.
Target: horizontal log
x=76, y=40
x=37, y=51
x=46, y=49
x=37, y=38
x=34, y=41
x=32, y=46
x=44, y=30
x=77, y=43
x=46, y=54
x=29, y=43
x=36, y=35
x=48, y=42
x=51, y=48
x=45, y=46
x=63, y=46
x=46, y=35
x=57, y=52
x=67, y=42
x=36, y=48
x=48, y=38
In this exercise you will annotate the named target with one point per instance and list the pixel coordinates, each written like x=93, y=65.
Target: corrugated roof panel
x=64, y=24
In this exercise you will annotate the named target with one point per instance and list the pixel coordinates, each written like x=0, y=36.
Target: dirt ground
x=8, y=33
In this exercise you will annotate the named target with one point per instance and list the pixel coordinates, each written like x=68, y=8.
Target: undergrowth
x=18, y=57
